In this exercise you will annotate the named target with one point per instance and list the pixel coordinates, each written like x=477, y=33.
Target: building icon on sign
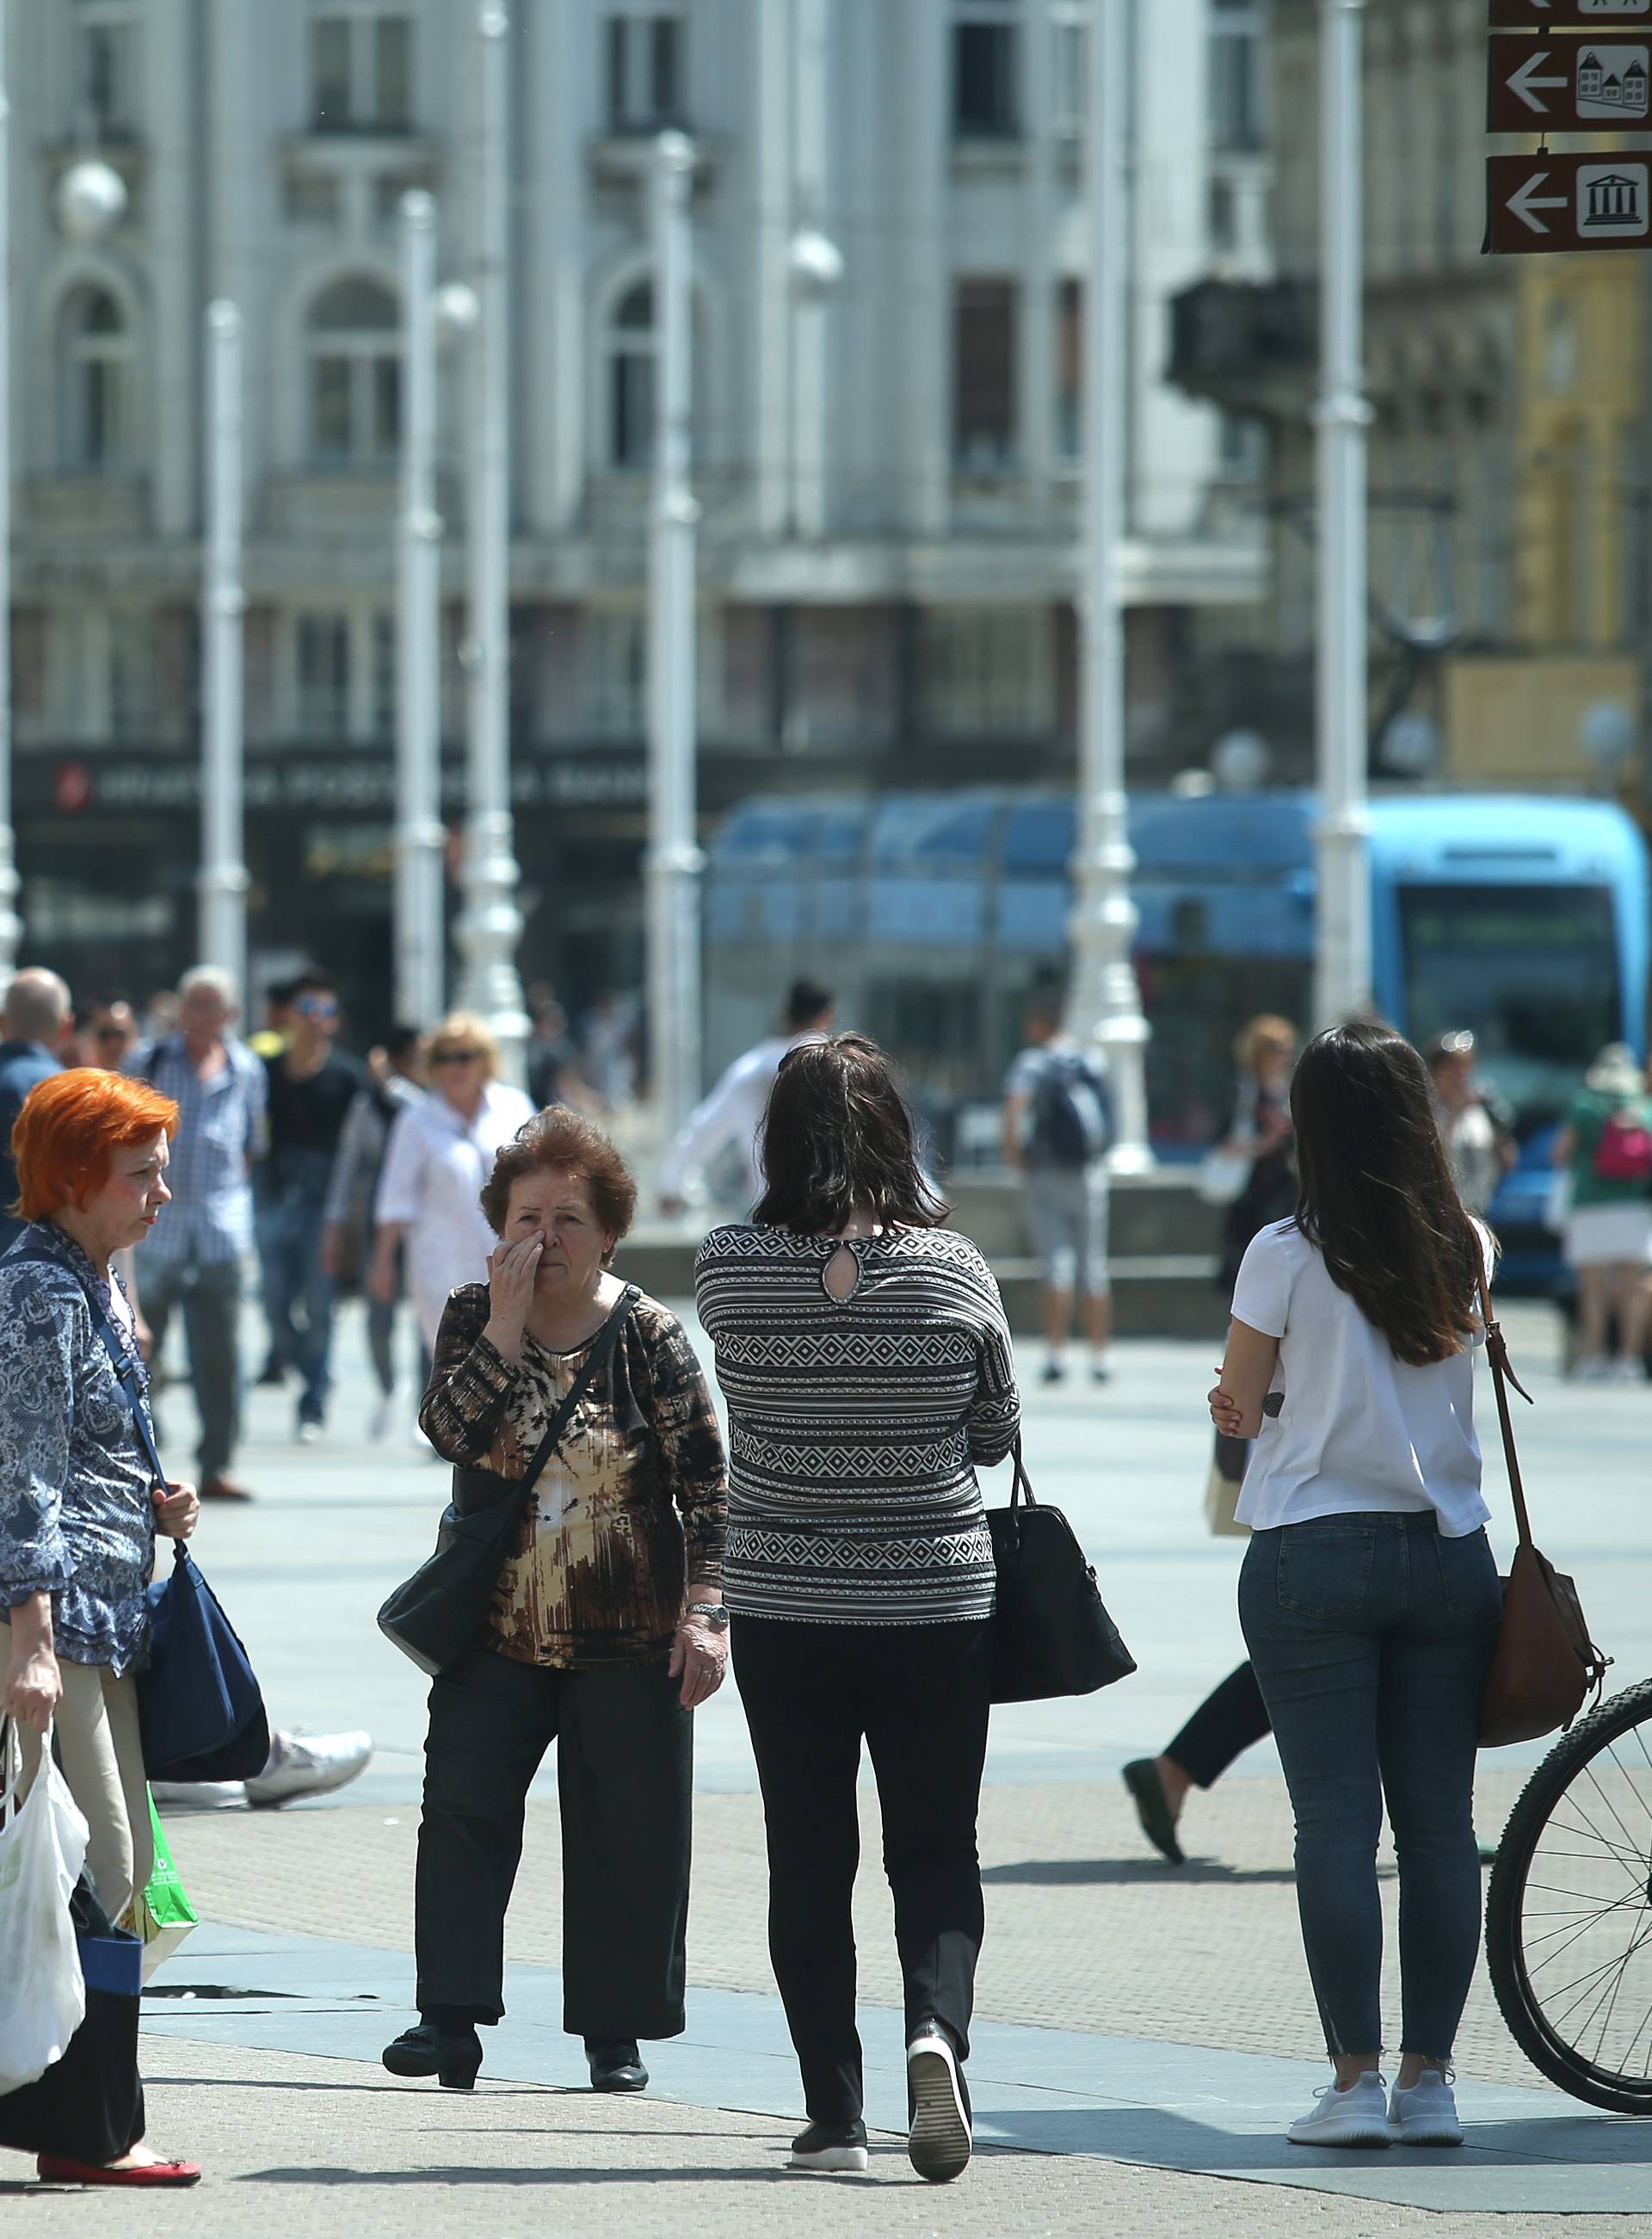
x=1617, y=91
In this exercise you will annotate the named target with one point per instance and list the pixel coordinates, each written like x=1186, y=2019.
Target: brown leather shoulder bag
x=1546, y=1662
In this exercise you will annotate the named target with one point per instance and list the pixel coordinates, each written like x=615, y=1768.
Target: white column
x=1104, y=1006
x=173, y=212
x=1173, y=438
x=808, y=304
x=10, y=925
x=223, y=873
x=920, y=345
x=1342, y=951
x=491, y=923
x=674, y=860
x=1036, y=368
x=770, y=154
x=560, y=36
x=419, y=934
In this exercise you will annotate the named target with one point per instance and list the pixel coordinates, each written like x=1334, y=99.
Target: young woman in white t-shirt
x=1369, y=1596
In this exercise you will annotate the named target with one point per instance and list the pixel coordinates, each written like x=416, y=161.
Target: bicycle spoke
x=1606, y=2018
x=1607, y=1801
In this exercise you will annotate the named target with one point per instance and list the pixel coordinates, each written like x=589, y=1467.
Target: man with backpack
x=1057, y=1129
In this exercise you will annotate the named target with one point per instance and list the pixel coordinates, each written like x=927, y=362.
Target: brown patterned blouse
x=637, y=1506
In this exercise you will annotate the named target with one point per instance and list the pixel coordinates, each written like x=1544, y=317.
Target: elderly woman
x=440, y=1154
x=606, y=1630
x=865, y=1358
x=78, y=1510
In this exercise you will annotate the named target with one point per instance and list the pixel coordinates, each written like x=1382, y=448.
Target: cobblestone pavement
x=297, y=2146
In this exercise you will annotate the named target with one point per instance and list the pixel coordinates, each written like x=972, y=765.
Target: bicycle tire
x=1538, y=2037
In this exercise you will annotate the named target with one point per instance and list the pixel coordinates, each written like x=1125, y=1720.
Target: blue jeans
x=298, y=1297
x=1372, y=1636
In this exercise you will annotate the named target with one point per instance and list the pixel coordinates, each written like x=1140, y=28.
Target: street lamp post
x=223, y=874
x=674, y=860
x=490, y=925
x=1104, y=1006
x=420, y=838
x=1343, y=950
x=11, y=924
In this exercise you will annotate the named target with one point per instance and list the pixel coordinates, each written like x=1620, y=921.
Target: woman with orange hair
x=79, y=1510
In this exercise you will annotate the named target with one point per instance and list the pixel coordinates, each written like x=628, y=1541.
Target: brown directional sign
x=1542, y=204
x=1546, y=15
x=1573, y=82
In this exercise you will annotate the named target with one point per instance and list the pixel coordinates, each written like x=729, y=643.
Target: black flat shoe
x=1152, y=1808
x=453, y=2059
x=616, y=2065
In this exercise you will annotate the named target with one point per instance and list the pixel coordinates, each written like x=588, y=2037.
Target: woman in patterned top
x=79, y=1510
x=867, y=1368
x=606, y=1629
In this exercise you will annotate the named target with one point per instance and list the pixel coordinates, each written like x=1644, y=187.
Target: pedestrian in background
x=1474, y=1129
x=1605, y=1151
x=606, y=1630
x=730, y=1120
x=1057, y=1129
x=1369, y=1596
x=78, y=1514
x=112, y=1033
x=311, y=1089
x=395, y=1081
x=427, y=1209
x=37, y=1009
x=196, y=1259
x=272, y=1038
x=864, y=1355
x=1233, y=1716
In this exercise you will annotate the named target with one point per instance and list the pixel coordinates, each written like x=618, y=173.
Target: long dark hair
x=1377, y=1195
x=837, y=1136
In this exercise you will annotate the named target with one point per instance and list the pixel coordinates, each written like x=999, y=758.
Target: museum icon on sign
x=1613, y=202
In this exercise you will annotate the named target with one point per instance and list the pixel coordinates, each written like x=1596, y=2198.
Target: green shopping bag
x=165, y=1915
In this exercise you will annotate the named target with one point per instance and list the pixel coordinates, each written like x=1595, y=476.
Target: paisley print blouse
x=76, y=1517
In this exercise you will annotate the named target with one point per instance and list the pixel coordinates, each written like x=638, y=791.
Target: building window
x=1243, y=448
x=1447, y=218
x=1236, y=74
x=361, y=68
x=106, y=69
x=987, y=672
x=382, y=652
x=983, y=352
x=985, y=74
x=615, y=663
x=1070, y=29
x=132, y=674
x=1070, y=370
x=356, y=375
x=97, y=350
x=648, y=62
x=631, y=348
x=323, y=670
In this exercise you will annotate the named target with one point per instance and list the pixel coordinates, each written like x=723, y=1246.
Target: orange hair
x=70, y=1127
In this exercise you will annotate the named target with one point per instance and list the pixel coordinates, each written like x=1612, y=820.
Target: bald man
x=37, y=1009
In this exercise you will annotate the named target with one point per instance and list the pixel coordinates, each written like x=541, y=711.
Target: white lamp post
x=674, y=860
x=1343, y=948
x=490, y=925
x=420, y=938
x=1105, y=1007
x=223, y=879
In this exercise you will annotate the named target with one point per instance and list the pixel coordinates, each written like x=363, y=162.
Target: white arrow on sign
x=1525, y=82
x=1527, y=200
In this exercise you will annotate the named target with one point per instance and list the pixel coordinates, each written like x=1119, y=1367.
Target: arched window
x=354, y=374
x=632, y=347
x=97, y=352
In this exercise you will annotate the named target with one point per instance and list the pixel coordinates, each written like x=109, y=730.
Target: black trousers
x=625, y=1782
x=1226, y=1722
x=918, y=1694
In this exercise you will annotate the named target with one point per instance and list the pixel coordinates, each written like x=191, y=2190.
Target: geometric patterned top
x=855, y=1423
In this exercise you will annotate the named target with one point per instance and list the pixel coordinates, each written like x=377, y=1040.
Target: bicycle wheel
x=1569, y=1913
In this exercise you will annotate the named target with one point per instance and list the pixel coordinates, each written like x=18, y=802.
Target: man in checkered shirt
x=195, y=1259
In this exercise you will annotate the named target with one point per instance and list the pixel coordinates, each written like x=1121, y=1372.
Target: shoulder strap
x=1502, y=1376
x=120, y=1360
x=607, y=1338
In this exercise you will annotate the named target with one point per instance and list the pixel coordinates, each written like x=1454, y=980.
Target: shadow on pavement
x=1071, y=1873
x=544, y=2173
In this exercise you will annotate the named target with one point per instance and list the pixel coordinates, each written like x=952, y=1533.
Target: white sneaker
x=1358, y=2116
x=939, y=2140
x=1590, y=1368
x=198, y=1795
x=378, y=1423
x=310, y=1766
x=1427, y=2114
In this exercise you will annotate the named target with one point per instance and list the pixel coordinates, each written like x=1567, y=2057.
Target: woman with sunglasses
x=440, y=1154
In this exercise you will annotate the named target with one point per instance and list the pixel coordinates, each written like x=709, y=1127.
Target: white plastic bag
x=1223, y=1175
x=43, y=1848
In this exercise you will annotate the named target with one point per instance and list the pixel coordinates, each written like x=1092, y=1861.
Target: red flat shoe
x=56, y=2168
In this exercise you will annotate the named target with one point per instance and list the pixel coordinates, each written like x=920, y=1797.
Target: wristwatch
x=713, y=1612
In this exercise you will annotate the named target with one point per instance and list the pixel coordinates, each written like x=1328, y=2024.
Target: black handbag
x=1052, y=1634
x=434, y=1616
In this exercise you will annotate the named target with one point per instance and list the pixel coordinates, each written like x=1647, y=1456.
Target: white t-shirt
x=1357, y=1429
